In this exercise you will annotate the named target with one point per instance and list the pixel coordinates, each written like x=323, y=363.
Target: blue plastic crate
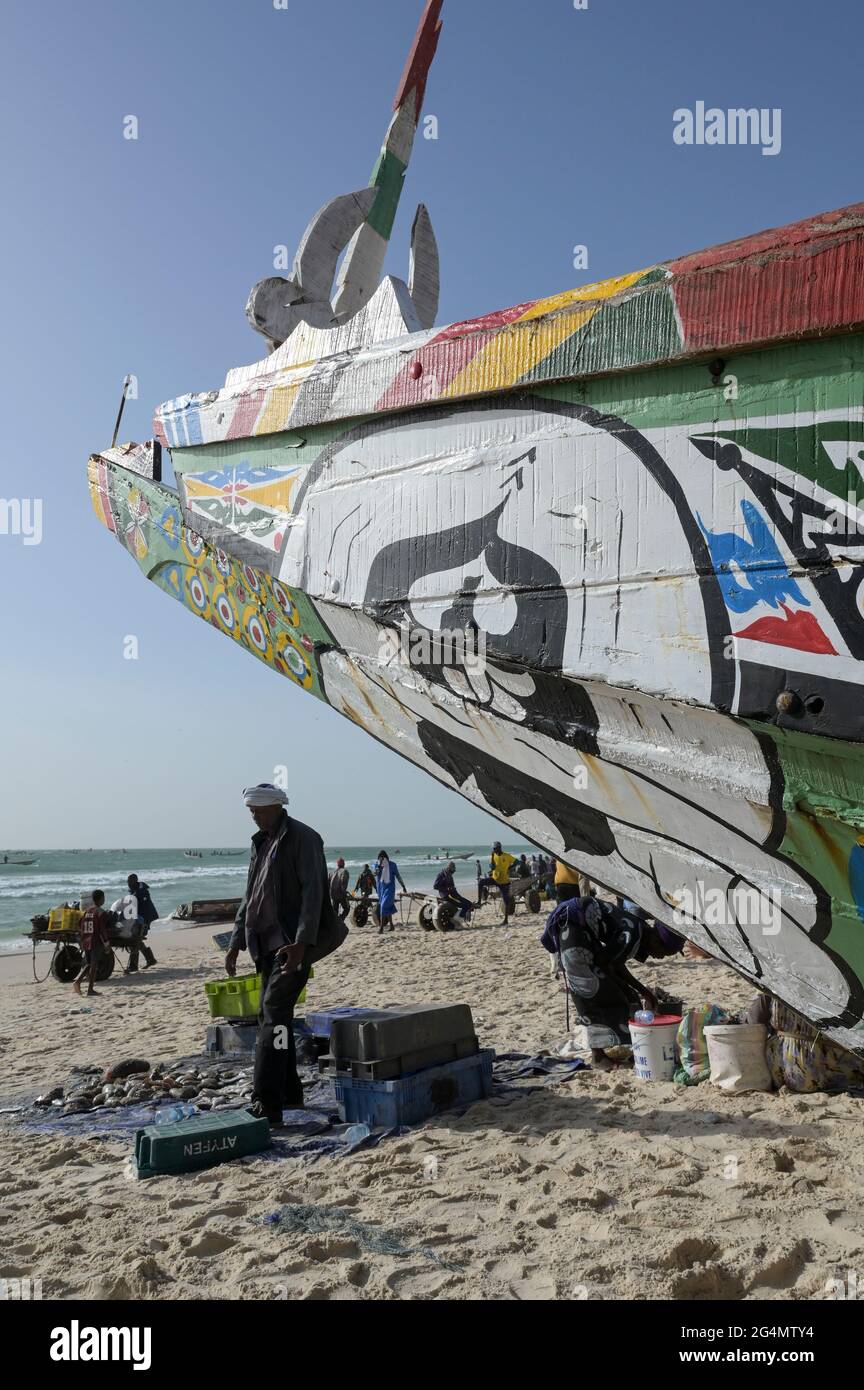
x=409, y=1100
x=320, y=1022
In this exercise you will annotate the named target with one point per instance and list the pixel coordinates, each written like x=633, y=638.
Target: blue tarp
x=312, y=1133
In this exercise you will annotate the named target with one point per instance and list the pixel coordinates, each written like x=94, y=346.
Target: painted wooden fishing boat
x=640, y=504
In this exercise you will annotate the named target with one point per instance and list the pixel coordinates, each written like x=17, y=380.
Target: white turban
x=265, y=794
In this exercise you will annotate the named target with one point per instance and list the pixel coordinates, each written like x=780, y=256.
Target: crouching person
x=286, y=922
x=595, y=942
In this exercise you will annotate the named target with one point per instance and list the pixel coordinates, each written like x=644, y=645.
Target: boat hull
x=660, y=571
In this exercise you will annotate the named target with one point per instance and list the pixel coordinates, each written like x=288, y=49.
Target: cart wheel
x=106, y=965
x=360, y=915
x=426, y=917
x=443, y=916
x=67, y=964
x=534, y=903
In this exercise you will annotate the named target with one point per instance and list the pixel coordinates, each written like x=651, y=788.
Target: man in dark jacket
x=286, y=922
x=339, y=890
x=365, y=882
x=146, y=914
x=445, y=887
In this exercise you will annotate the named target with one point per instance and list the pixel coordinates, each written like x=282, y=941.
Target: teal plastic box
x=201, y=1142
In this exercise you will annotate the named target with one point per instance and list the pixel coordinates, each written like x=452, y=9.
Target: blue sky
x=555, y=129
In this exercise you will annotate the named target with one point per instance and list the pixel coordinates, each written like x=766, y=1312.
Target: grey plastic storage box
x=399, y=1032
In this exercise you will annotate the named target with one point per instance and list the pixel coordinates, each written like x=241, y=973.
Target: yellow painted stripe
x=277, y=409
x=510, y=356
x=513, y=353
x=602, y=290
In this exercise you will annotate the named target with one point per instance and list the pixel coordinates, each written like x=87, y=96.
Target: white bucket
x=736, y=1052
x=654, y=1048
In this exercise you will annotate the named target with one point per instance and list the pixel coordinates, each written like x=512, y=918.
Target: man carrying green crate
x=286, y=922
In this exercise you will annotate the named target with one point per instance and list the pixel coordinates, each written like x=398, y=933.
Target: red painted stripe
x=246, y=414
x=805, y=277
x=445, y=356
x=810, y=229
x=810, y=288
x=421, y=57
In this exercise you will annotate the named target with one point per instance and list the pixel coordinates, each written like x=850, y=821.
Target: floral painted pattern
x=135, y=530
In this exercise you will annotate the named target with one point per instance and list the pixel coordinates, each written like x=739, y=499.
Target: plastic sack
x=738, y=1057
x=694, y=1065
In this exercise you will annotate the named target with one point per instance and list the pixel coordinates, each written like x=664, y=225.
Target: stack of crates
x=238, y=1001
x=402, y=1065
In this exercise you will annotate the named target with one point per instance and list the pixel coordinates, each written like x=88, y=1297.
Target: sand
x=597, y=1187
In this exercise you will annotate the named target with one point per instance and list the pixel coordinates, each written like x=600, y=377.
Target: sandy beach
x=598, y=1186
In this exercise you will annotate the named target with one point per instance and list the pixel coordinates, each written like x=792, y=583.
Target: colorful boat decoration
x=641, y=504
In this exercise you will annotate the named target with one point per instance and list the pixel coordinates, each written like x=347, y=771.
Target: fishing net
x=312, y=1220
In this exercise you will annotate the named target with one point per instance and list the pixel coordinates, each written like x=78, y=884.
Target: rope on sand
x=50, y=963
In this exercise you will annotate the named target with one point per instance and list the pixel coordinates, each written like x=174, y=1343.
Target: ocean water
x=60, y=876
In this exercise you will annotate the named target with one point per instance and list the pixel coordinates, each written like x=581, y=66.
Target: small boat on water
x=18, y=863
x=226, y=853
x=192, y=854
x=206, y=910
x=594, y=562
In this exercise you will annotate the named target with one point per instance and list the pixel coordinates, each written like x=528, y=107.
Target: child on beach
x=94, y=941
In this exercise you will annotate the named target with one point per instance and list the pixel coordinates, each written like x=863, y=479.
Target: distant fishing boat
x=192, y=854
x=18, y=863
x=226, y=853
x=641, y=500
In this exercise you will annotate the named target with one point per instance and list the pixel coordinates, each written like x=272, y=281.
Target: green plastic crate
x=238, y=998
x=201, y=1142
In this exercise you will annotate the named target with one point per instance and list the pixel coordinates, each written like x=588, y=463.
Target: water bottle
x=355, y=1133
x=170, y=1114
x=643, y=1016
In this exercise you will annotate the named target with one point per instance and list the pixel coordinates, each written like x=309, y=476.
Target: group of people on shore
x=293, y=914
x=381, y=880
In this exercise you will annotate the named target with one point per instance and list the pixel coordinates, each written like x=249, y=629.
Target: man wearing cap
x=287, y=923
